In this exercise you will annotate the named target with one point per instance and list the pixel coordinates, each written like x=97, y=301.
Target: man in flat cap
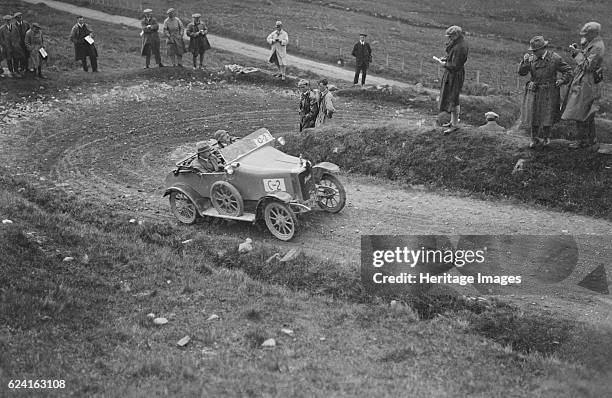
x=174, y=30
x=309, y=105
x=454, y=75
x=279, y=39
x=82, y=38
x=6, y=44
x=224, y=138
x=21, y=27
x=541, y=103
x=198, y=42
x=150, y=38
x=582, y=100
x=491, y=124
x=363, y=56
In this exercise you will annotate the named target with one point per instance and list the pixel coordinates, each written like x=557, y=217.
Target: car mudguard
x=324, y=167
x=281, y=196
x=196, y=198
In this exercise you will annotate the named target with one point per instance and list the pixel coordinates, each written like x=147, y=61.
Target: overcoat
x=309, y=109
x=173, y=30
x=34, y=41
x=326, y=107
x=81, y=47
x=278, y=47
x=150, y=34
x=6, y=42
x=362, y=53
x=583, y=96
x=20, y=32
x=542, y=100
x=454, y=74
x=9, y=36
x=198, y=42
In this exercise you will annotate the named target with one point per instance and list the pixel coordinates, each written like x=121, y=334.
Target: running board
x=212, y=212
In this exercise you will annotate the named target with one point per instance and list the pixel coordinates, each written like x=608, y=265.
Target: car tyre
x=183, y=207
x=280, y=220
x=331, y=195
x=226, y=199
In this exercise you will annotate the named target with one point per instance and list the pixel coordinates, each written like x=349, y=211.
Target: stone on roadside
x=269, y=343
x=7, y=221
x=519, y=166
x=183, y=342
x=160, y=321
x=288, y=332
x=213, y=317
x=67, y=259
x=246, y=246
x=132, y=221
x=291, y=254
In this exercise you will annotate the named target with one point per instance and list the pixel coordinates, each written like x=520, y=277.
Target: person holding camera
x=279, y=39
x=198, y=42
x=582, y=101
x=542, y=99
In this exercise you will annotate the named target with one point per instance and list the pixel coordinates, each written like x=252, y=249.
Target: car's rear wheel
x=183, y=208
x=226, y=199
x=331, y=195
x=280, y=220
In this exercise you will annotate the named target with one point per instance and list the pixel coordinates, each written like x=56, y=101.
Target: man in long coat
x=279, y=39
x=21, y=55
x=309, y=105
x=582, y=101
x=82, y=48
x=541, y=103
x=174, y=30
x=34, y=41
x=454, y=75
x=198, y=42
x=5, y=42
x=150, y=38
x=363, y=56
x=326, y=104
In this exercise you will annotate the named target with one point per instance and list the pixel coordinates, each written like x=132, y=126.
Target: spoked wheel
x=226, y=199
x=331, y=195
x=280, y=220
x=183, y=208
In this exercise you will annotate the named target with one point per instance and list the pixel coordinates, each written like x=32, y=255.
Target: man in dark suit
x=21, y=28
x=363, y=56
x=82, y=47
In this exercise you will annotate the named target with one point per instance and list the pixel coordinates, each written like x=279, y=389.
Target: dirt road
x=248, y=50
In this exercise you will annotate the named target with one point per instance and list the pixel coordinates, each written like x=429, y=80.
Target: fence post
x=478, y=76
x=402, y=64
x=387, y=59
x=421, y=67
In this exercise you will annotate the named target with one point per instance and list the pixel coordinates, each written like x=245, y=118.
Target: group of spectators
x=22, y=46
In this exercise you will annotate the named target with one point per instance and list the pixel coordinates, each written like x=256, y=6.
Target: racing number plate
x=263, y=138
x=274, y=184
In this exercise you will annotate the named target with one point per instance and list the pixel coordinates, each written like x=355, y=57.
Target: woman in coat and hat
x=454, y=75
x=198, y=43
x=582, y=100
x=542, y=100
x=34, y=43
x=174, y=29
x=279, y=39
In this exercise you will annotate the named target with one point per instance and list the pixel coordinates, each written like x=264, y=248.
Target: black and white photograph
x=305, y=198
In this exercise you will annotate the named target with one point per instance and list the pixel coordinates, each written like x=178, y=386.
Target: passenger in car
x=207, y=160
x=224, y=139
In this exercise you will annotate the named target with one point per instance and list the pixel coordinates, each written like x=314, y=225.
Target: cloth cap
x=17, y=14
x=170, y=10
x=363, y=34
x=36, y=25
x=303, y=83
x=278, y=23
x=196, y=15
x=590, y=27
x=491, y=115
x=148, y=11
x=537, y=42
x=454, y=30
x=7, y=17
x=203, y=147
x=221, y=135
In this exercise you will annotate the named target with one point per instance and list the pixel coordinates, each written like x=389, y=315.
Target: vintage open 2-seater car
x=257, y=182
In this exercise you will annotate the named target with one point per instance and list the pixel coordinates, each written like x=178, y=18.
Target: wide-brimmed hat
x=17, y=14
x=454, y=30
x=147, y=11
x=196, y=15
x=588, y=27
x=279, y=23
x=7, y=17
x=537, y=42
x=203, y=147
x=491, y=115
x=170, y=10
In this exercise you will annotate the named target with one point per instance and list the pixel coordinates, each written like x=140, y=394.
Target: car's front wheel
x=331, y=195
x=280, y=220
x=183, y=208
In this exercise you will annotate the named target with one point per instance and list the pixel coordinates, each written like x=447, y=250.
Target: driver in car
x=208, y=159
x=224, y=139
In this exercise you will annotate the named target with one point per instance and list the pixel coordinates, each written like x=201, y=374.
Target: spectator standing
x=150, y=38
x=198, y=42
x=583, y=97
x=82, y=38
x=279, y=39
x=309, y=105
x=454, y=75
x=6, y=47
x=542, y=99
x=34, y=42
x=363, y=57
x=326, y=104
x=21, y=55
x=174, y=30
